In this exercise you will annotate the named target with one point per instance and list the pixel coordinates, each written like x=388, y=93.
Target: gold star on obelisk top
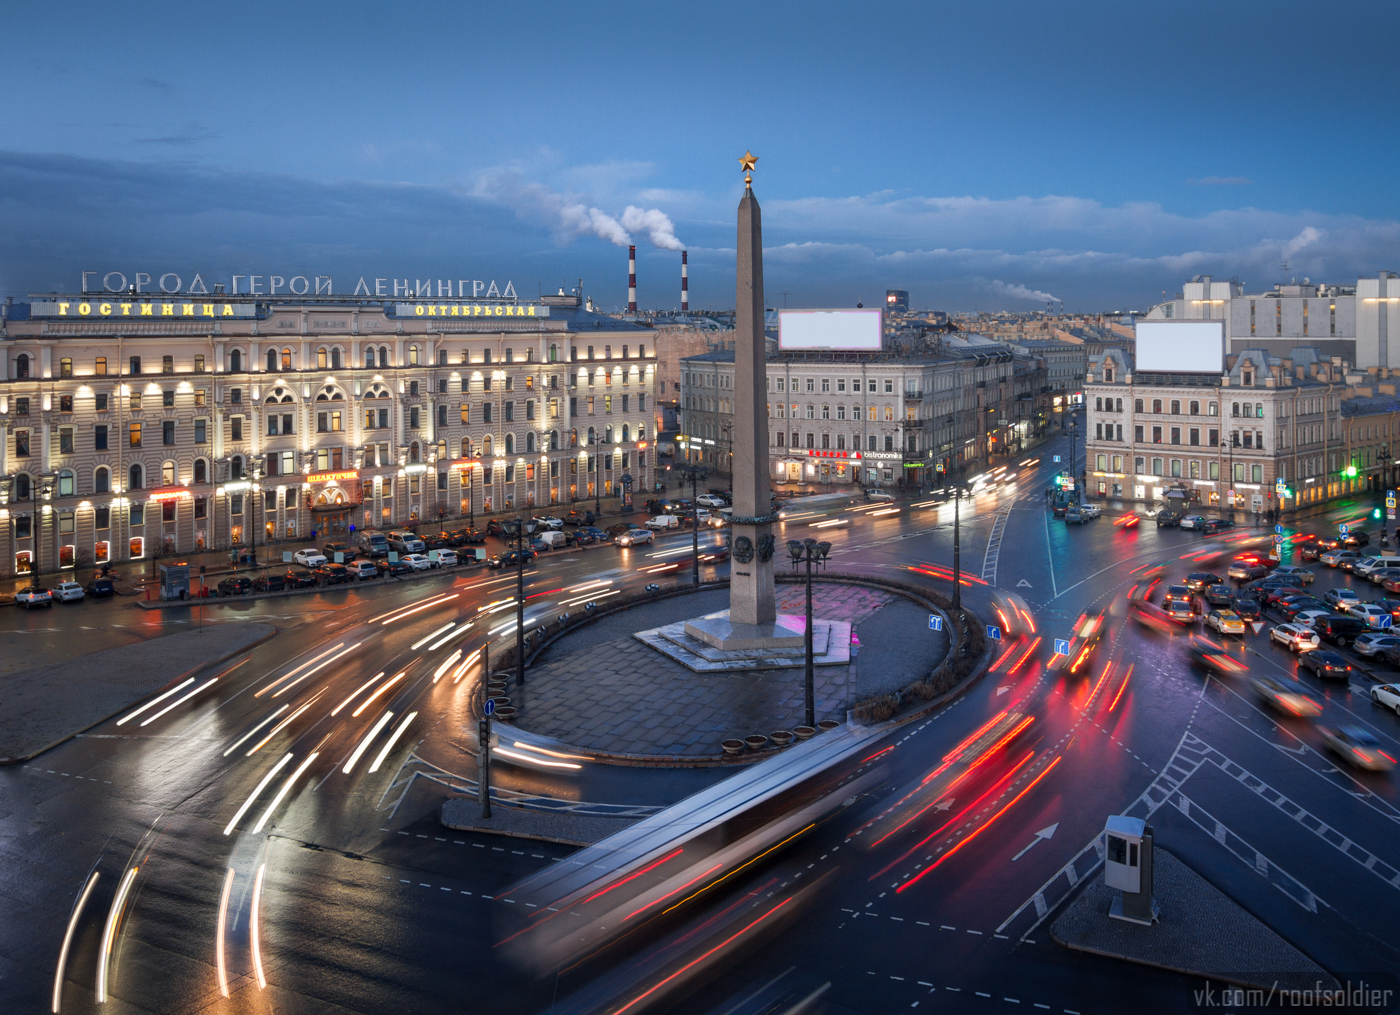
x=748, y=160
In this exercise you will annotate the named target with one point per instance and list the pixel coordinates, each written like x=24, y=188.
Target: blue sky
x=981, y=156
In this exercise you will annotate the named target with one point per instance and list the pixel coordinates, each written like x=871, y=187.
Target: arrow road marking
x=1044, y=833
x=943, y=805
x=1002, y=690
x=1024, y=584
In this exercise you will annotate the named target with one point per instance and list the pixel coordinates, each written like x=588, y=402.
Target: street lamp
x=517, y=529
x=810, y=552
x=957, y=542
x=694, y=473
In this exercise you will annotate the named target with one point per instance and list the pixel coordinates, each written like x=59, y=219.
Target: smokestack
x=685, y=280
x=631, y=280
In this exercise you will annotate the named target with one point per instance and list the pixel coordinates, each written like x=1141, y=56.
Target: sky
x=982, y=156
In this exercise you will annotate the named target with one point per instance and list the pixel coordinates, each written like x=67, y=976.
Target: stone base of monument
x=711, y=644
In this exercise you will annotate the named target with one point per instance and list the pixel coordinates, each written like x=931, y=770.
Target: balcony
x=913, y=394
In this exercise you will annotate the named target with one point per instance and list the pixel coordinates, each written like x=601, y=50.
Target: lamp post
x=1230, y=487
x=694, y=473
x=518, y=528
x=809, y=552
x=957, y=542
x=598, y=484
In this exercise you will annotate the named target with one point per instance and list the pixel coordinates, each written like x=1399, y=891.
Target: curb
x=164, y=687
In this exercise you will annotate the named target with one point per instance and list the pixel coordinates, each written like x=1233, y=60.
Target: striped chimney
x=685, y=280
x=631, y=280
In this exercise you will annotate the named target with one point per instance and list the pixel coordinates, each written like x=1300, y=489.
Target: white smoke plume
x=1020, y=292
x=570, y=217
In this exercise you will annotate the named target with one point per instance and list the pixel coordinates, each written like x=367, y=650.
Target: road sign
x=935, y=622
x=1390, y=500
x=1278, y=530
x=1062, y=646
x=1278, y=540
x=490, y=708
x=1386, y=621
x=1343, y=527
x=993, y=632
x=1258, y=625
x=1056, y=459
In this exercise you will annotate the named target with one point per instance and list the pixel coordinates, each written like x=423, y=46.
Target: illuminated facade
x=196, y=426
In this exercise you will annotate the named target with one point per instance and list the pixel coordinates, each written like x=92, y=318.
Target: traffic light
x=1375, y=512
x=1349, y=472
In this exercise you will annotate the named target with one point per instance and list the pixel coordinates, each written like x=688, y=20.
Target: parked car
x=1297, y=575
x=495, y=528
x=393, y=568
x=1286, y=696
x=101, y=588
x=634, y=537
x=1220, y=595
x=1167, y=518
x=549, y=522
x=619, y=528
x=468, y=537
x=238, y=585
x=447, y=558
x=310, y=557
x=373, y=544
x=1296, y=637
x=333, y=574
x=406, y=542
x=662, y=523
x=1090, y=511
x=299, y=579
x=1325, y=664
x=34, y=595
x=364, y=570
x=346, y=551
x=1335, y=558
x=417, y=561
x=270, y=582
x=577, y=517
x=1247, y=607
x=1225, y=621
x=1369, y=646
x=1214, y=525
x=1387, y=695
x=511, y=558
x=1339, y=630
x=711, y=500
x=1357, y=746
x=1074, y=515
x=1198, y=581
x=879, y=495
x=1375, y=617
x=588, y=534
x=436, y=540
x=68, y=592
x=1192, y=522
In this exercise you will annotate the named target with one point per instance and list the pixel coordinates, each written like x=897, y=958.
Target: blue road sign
x=490, y=706
x=1278, y=539
x=1056, y=459
x=935, y=622
x=1062, y=646
x=1343, y=527
x=993, y=632
x=1385, y=621
x=1278, y=530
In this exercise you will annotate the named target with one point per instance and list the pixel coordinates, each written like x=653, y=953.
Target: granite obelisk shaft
x=751, y=598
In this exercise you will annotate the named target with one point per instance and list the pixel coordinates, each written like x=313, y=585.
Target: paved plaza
x=600, y=689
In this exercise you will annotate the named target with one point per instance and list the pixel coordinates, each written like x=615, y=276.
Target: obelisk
x=751, y=597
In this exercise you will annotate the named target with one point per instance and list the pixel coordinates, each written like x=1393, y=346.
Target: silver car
x=1368, y=646
x=633, y=537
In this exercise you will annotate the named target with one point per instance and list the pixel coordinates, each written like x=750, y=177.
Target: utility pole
x=809, y=552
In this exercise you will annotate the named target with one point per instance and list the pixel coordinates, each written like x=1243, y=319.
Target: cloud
x=1020, y=292
x=654, y=223
x=1220, y=181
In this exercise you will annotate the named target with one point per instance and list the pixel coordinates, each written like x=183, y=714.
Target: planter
x=803, y=732
x=496, y=687
x=505, y=713
x=501, y=702
x=757, y=742
x=827, y=724
x=782, y=738
x=733, y=746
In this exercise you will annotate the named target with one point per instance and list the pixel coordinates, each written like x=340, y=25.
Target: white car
x=1090, y=511
x=632, y=537
x=1341, y=598
x=309, y=558
x=68, y=592
x=1368, y=646
x=417, y=561
x=447, y=558
x=1387, y=695
x=1307, y=618
x=883, y=496
x=550, y=522
x=711, y=500
x=1295, y=636
x=1375, y=616
x=1298, y=575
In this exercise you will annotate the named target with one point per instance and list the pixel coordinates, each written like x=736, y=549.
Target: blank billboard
x=852, y=330
x=1181, y=347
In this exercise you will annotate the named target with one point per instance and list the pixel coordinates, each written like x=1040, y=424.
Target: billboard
x=1181, y=347
x=844, y=330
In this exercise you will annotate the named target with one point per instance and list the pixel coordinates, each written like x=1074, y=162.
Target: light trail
x=312, y=672
x=552, y=754
x=336, y=711
x=382, y=688
x=156, y=701
x=503, y=752
x=293, y=673
x=283, y=791
x=253, y=920
x=446, y=665
x=393, y=738
x=179, y=701
x=68, y=940
x=109, y=933
x=364, y=744
x=219, y=938
x=449, y=637
x=1121, y=688
x=595, y=584
x=249, y=735
x=427, y=638
x=467, y=663
x=833, y=522
x=584, y=599
x=389, y=618
x=256, y=793
x=282, y=725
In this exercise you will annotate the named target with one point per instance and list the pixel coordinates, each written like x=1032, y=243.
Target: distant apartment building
x=897, y=300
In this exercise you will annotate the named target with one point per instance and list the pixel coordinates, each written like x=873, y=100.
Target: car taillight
x=1387, y=757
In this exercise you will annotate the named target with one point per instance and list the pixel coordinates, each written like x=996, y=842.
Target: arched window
x=625, y=432
x=592, y=437
x=413, y=355
x=442, y=451
x=22, y=488
x=553, y=353
x=383, y=357
x=573, y=437
x=235, y=467
x=529, y=441
x=135, y=478
x=201, y=471
x=1176, y=407
x=641, y=431
x=1098, y=405
x=608, y=434
x=235, y=361
x=323, y=359
x=272, y=361
x=554, y=440
x=1213, y=409
x=369, y=359
x=167, y=474
x=466, y=447
x=286, y=359
x=22, y=366
x=102, y=480
x=510, y=443
x=65, y=483
x=486, y=445
x=335, y=359
x=415, y=454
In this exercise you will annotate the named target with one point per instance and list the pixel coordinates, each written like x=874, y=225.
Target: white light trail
x=249, y=735
x=405, y=613
x=179, y=701
x=283, y=791
x=466, y=663
x=584, y=599
x=253, y=920
x=382, y=688
x=257, y=792
x=219, y=939
x=364, y=744
x=280, y=727
x=384, y=752
x=501, y=752
x=156, y=701
x=447, y=665
x=449, y=637
x=292, y=673
x=109, y=933
x=427, y=638
x=827, y=525
x=313, y=672
x=597, y=584
x=68, y=940
x=358, y=691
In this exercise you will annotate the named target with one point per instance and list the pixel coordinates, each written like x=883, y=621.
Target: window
x=413, y=387
x=1137, y=434
x=167, y=431
x=236, y=428
x=100, y=366
x=322, y=359
x=167, y=474
x=510, y=411
x=286, y=359
x=134, y=435
x=235, y=395
x=201, y=471
x=199, y=364
x=65, y=440
x=167, y=364
x=1137, y=405
x=1156, y=405
x=99, y=437
x=135, y=477
x=442, y=414
x=486, y=412
x=235, y=361
x=413, y=355
x=1156, y=435
x=135, y=365
x=1194, y=436
x=65, y=483
x=65, y=367
x=1176, y=435
x=102, y=518
x=21, y=407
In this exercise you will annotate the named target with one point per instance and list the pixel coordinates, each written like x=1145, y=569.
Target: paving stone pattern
x=601, y=689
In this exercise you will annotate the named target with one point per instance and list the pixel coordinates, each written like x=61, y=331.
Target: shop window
x=136, y=547
x=101, y=551
x=24, y=562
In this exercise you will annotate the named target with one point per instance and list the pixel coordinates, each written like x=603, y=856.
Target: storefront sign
x=333, y=477
x=140, y=308
x=466, y=463
x=811, y=453
x=298, y=285
x=470, y=310
x=174, y=493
